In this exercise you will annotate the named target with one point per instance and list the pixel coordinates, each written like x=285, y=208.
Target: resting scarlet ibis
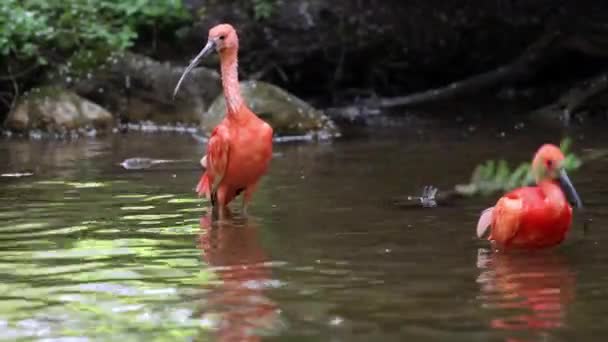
x=240, y=147
x=537, y=216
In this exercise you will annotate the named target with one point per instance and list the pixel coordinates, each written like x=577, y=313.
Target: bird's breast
x=250, y=155
x=546, y=226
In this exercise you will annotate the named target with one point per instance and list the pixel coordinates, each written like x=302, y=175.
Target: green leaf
x=565, y=145
x=82, y=33
x=492, y=176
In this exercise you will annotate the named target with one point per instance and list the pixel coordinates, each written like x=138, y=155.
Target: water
x=91, y=251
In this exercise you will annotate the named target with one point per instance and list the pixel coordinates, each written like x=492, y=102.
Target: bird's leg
x=247, y=194
x=222, y=213
x=244, y=206
x=216, y=207
x=213, y=199
x=244, y=209
x=219, y=200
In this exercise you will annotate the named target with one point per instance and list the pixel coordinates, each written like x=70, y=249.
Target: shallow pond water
x=91, y=251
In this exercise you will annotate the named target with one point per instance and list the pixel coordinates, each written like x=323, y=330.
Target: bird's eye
x=222, y=37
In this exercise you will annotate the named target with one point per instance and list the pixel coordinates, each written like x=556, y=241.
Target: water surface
x=91, y=251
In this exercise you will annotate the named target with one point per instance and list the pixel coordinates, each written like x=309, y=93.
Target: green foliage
x=571, y=162
x=79, y=32
x=496, y=176
x=262, y=9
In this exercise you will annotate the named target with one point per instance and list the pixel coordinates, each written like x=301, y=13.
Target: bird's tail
x=485, y=221
x=204, y=188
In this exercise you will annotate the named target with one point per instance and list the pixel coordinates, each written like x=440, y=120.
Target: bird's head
x=222, y=38
x=548, y=164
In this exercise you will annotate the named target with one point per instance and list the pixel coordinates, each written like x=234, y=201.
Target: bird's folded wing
x=218, y=151
x=507, y=218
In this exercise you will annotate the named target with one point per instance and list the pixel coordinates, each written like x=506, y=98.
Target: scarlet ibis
x=537, y=216
x=240, y=147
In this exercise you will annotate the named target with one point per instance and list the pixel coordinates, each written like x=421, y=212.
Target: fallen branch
x=569, y=102
x=529, y=61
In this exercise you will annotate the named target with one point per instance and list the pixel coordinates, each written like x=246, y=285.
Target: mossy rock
x=141, y=89
x=287, y=114
x=55, y=109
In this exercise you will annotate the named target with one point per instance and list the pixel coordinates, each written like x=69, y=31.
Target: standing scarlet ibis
x=537, y=216
x=240, y=147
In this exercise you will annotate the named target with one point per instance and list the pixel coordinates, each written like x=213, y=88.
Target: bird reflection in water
x=530, y=290
x=232, y=248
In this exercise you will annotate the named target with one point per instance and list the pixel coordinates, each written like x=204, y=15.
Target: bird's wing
x=485, y=221
x=507, y=214
x=218, y=150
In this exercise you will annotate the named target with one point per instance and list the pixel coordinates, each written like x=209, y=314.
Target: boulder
x=55, y=109
x=287, y=114
x=139, y=88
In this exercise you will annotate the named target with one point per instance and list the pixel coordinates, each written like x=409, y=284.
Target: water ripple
x=97, y=258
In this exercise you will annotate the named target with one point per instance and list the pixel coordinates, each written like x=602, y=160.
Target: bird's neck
x=230, y=83
x=554, y=195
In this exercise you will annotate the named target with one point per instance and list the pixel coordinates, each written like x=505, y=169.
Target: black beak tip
x=570, y=191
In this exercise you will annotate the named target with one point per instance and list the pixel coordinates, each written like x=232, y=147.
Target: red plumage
x=240, y=147
x=532, y=217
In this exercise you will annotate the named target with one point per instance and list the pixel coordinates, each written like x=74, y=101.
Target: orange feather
x=240, y=147
x=532, y=217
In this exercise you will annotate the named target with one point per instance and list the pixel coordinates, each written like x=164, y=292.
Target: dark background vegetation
x=332, y=51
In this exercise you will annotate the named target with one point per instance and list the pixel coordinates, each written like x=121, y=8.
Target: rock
x=287, y=114
x=140, y=88
x=54, y=109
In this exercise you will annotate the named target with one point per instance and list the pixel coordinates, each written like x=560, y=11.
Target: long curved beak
x=209, y=47
x=569, y=189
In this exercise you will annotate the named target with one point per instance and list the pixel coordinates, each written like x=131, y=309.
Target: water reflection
x=231, y=246
x=530, y=292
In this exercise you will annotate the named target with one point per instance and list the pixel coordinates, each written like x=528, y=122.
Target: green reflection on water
x=101, y=258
